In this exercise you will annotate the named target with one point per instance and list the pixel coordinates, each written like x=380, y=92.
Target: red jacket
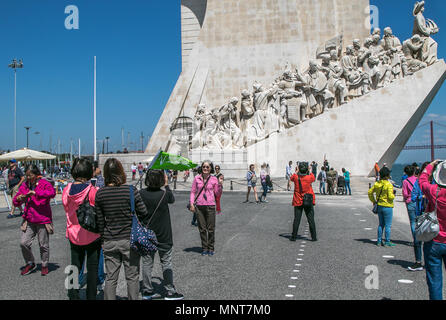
x=306, y=182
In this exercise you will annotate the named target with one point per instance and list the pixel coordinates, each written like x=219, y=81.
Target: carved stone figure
x=357, y=81
x=392, y=45
x=425, y=28
x=228, y=124
x=413, y=53
x=262, y=123
x=315, y=86
x=383, y=63
x=333, y=71
x=294, y=104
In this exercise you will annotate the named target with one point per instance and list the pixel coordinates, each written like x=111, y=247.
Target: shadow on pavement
x=404, y=264
x=288, y=236
x=400, y=242
x=193, y=249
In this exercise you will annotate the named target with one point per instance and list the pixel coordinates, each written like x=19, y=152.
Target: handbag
x=426, y=225
x=195, y=200
x=86, y=215
x=375, y=206
x=308, y=197
x=142, y=240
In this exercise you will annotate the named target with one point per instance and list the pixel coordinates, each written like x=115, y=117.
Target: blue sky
x=138, y=49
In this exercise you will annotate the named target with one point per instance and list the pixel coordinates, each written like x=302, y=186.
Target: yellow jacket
x=387, y=196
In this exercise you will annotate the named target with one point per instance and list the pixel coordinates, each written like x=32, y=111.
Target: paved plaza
x=254, y=258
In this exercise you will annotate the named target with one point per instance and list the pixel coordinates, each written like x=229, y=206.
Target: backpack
x=319, y=177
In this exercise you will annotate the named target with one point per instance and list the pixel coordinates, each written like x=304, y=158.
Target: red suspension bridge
x=432, y=146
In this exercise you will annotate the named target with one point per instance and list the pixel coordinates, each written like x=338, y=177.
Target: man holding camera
x=304, y=199
x=15, y=180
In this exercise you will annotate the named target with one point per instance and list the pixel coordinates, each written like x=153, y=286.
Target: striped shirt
x=113, y=211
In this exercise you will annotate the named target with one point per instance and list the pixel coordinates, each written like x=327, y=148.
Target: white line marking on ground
x=363, y=220
x=368, y=229
x=405, y=281
x=296, y=270
x=293, y=278
x=388, y=257
x=297, y=264
x=299, y=259
x=300, y=254
x=291, y=286
x=289, y=295
x=301, y=250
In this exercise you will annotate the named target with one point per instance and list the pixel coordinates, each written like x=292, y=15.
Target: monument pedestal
x=233, y=163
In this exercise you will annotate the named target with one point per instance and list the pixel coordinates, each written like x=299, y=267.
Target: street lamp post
x=27, y=137
x=106, y=139
x=15, y=65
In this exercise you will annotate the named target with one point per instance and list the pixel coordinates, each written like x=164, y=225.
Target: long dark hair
x=34, y=169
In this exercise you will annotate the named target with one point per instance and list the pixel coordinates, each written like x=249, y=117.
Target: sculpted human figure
x=262, y=117
x=315, y=86
x=357, y=81
x=333, y=71
x=379, y=54
x=425, y=28
x=293, y=106
x=392, y=45
x=356, y=46
x=199, y=121
x=228, y=124
x=413, y=53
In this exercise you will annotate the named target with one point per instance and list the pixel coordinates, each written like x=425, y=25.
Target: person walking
x=322, y=178
x=288, y=174
x=15, y=180
x=263, y=174
x=134, y=168
x=383, y=190
x=347, y=181
x=314, y=168
x=205, y=189
x=83, y=243
x=218, y=174
x=435, y=250
x=114, y=214
x=252, y=182
x=331, y=178
x=377, y=169
x=140, y=170
x=35, y=193
x=303, y=181
x=157, y=203
x=269, y=181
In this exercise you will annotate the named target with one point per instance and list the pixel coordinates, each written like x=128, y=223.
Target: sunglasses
x=206, y=167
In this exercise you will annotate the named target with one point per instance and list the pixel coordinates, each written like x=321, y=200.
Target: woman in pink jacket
x=82, y=242
x=36, y=193
x=205, y=189
x=435, y=250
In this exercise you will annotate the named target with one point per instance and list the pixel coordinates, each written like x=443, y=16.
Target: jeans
x=309, y=212
x=434, y=255
x=101, y=273
x=322, y=187
x=411, y=210
x=78, y=254
x=347, y=187
x=166, y=265
x=385, y=216
x=265, y=190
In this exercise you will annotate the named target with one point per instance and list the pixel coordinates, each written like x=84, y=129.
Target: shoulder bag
x=86, y=215
x=142, y=240
x=308, y=198
x=375, y=207
x=426, y=225
x=196, y=197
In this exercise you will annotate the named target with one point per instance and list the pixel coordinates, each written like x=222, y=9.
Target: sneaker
x=44, y=271
x=293, y=239
x=10, y=216
x=378, y=243
x=100, y=287
x=416, y=267
x=153, y=296
x=28, y=269
x=219, y=212
x=174, y=296
x=211, y=253
x=204, y=252
x=245, y=201
x=266, y=201
x=389, y=244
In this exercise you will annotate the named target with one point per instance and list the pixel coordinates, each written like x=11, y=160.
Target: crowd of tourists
x=424, y=193
x=117, y=206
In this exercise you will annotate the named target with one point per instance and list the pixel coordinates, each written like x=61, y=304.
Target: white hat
x=440, y=174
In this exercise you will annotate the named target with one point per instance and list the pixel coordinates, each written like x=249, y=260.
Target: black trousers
x=92, y=251
x=309, y=212
x=206, y=226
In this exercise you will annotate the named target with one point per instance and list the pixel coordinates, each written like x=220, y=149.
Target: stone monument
x=318, y=90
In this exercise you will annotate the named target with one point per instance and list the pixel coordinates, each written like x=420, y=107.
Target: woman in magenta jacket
x=202, y=202
x=36, y=193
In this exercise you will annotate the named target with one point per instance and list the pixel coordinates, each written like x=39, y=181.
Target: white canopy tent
x=26, y=155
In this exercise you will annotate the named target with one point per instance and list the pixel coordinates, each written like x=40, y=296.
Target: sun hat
x=440, y=174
